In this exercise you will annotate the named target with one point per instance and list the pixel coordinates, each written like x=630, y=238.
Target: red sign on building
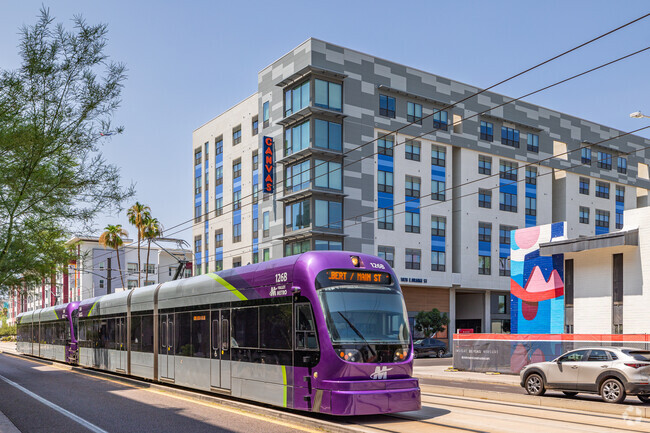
x=268, y=165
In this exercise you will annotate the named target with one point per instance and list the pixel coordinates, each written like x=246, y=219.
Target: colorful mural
x=536, y=282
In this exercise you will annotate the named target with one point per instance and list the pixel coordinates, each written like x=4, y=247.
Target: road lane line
x=83, y=422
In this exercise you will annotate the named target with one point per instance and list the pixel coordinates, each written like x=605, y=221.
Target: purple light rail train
x=321, y=331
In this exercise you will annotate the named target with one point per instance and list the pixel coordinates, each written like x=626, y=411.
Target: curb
x=308, y=419
x=553, y=402
x=450, y=376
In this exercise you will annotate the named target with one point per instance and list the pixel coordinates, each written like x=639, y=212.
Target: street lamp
x=638, y=115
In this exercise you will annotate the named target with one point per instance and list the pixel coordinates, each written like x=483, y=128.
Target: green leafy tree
x=430, y=322
x=137, y=214
x=112, y=238
x=55, y=112
x=152, y=230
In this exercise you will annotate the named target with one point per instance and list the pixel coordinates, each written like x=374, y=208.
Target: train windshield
x=366, y=323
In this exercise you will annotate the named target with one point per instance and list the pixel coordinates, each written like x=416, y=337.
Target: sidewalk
x=439, y=372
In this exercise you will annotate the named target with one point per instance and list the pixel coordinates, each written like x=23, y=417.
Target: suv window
x=578, y=355
x=598, y=355
x=640, y=355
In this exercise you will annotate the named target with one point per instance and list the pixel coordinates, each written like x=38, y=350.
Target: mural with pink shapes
x=536, y=282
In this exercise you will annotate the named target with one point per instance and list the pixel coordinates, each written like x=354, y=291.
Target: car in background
x=612, y=372
x=429, y=347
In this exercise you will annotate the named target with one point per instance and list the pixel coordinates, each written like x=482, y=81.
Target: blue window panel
x=504, y=250
x=601, y=230
x=255, y=245
x=197, y=171
x=412, y=205
x=218, y=190
x=255, y=211
x=236, y=184
x=384, y=200
x=385, y=163
x=508, y=186
x=236, y=217
x=531, y=190
x=218, y=160
x=218, y=253
x=255, y=177
x=620, y=207
x=437, y=173
x=438, y=243
x=197, y=200
x=531, y=220
x=484, y=248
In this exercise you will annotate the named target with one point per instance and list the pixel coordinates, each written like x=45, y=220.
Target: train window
x=305, y=328
x=245, y=327
x=215, y=332
x=147, y=333
x=163, y=338
x=275, y=332
x=201, y=334
x=110, y=334
x=102, y=333
x=136, y=333
x=183, y=336
x=225, y=338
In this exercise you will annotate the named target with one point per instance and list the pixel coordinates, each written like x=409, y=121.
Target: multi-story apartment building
x=368, y=156
x=95, y=272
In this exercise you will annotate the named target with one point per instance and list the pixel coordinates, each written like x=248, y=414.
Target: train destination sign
x=359, y=277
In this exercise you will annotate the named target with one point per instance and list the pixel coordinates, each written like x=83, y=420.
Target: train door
x=220, y=353
x=166, y=363
x=120, y=342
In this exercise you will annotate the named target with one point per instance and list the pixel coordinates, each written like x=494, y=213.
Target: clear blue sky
x=190, y=61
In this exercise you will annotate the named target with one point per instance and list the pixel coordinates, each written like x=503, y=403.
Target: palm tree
x=152, y=230
x=137, y=213
x=112, y=238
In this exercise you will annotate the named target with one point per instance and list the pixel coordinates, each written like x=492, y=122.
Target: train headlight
x=351, y=355
x=400, y=355
x=356, y=262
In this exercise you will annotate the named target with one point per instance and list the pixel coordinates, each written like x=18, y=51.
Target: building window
x=296, y=138
x=504, y=234
x=218, y=175
x=256, y=193
x=236, y=135
x=297, y=215
x=412, y=150
x=438, y=155
x=266, y=223
x=619, y=220
x=132, y=268
x=296, y=98
x=132, y=284
x=605, y=160
x=323, y=245
x=484, y=232
x=412, y=222
x=385, y=219
x=255, y=228
x=438, y=190
x=509, y=136
x=484, y=265
x=584, y=185
x=218, y=238
x=585, y=155
x=602, y=218
x=256, y=160
x=385, y=181
x=602, y=189
x=485, y=198
x=198, y=157
x=484, y=165
x=255, y=125
x=584, y=215
x=508, y=202
x=622, y=165
x=531, y=175
x=218, y=206
x=385, y=145
x=265, y=114
x=328, y=95
x=328, y=214
x=438, y=261
x=508, y=170
x=328, y=174
x=256, y=257
x=487, y=131
x=101, y=284
x=197, y=185
x=533, y=143
x=236, y=169
x=218, y=265
x=197, y=245
x=298, y=247
x=151, y=269
x=438, y=226
x=327, y=135
x=440, y=120
x=504, y=266
x=236, y=200
x=297, y=176
x=414, y=113
x=388, y=254
x=620, y=194
x=266, y=254
x=236, y=232
x=531, y=206
x=412, y=259
x=386, y=106
x=197, y=212
x=236, y=262
x=412, y=186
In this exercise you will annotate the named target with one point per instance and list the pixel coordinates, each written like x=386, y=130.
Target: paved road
x=104, y=405
x=425, y=362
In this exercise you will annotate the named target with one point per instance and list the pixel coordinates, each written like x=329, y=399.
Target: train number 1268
x=281, y=278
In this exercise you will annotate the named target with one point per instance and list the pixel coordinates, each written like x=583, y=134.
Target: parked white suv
x=611, y=372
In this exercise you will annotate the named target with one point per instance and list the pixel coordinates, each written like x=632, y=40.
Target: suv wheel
x=612, y=391
x=441, y=353
x=535, y=384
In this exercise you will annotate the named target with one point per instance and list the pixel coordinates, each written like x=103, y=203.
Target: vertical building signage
x=268, y=164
